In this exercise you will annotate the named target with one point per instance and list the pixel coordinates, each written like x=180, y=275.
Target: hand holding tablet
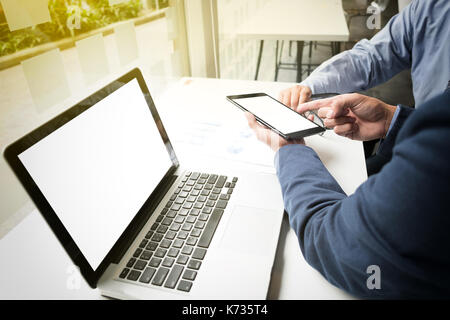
x=276, y=116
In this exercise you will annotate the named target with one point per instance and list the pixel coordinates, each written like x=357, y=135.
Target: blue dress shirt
x=398, y=220
x=418, y=38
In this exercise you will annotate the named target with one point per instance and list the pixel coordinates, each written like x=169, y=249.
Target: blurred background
x=73, y=47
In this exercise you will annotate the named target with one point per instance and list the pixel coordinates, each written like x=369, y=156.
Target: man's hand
x=272, y=139
x=354, y=116
x=292, y=97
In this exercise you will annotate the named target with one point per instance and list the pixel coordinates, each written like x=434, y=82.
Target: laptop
x=105, y=177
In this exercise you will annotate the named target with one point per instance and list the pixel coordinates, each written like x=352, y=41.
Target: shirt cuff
x=394, y=119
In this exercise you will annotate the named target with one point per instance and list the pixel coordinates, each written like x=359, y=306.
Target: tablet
x=273, y=114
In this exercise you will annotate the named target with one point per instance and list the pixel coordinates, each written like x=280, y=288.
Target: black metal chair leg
x=258, y=64
x=300, y=45
x=277, y=66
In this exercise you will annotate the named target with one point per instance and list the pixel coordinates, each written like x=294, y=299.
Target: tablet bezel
x=288, y=136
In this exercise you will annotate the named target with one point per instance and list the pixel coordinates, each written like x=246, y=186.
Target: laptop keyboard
x=172, y=251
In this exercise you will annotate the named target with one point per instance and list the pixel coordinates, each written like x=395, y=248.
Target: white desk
x=298, y=20
x=34, y=265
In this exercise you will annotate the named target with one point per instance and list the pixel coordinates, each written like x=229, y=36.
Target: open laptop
x=138, y=225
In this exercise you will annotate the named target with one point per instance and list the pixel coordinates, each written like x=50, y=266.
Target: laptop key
x=179, y=219
x=213, y=196
x=183, y=212
x=187, y=205
x=203, y=217
x=160, y=276
x=187, y=250
x=174, y=276
x=221, y=204
x=149, y=234
x=152, y=246
x=200, y=224
x=159, y=218
x=196, y=232
x=154, y=226
x=168, y=262
x=165, y=243
x=198, y=205
x=173, y=252
x=208, y=187
x=137, y=253
x=195, y=176
x=167, y=221
x=131, y=262
x=230, y=191
x=179, y=201
x=157, y=237
x=207, y=210
x=183, y=194
x=160, y=253
x=173, y=197
x=146, y=255
x=134, y=275
x=176, y=207
x=210, y=228
x=183, y=235
x=147, y=275
x=204, y=176
x=213, y=178
x=182, y=259
x=143, y=243
x=162, y=229
x=205, y=193
x=178, y=243
x=184, y=286
x=124, y=273
x=199, y=253
x=164, y=211
x=191, y=219
x=221, y=181
x=189, y=274
x=224, y=197
x=175, y=227
x=235, y=179
x=195, y=192
x=140, y=265
x=194, y=212
x=155, y=262
x=171, y=235
x=216, y=190
x=171, y=214
x=187, y=226
x=194, y=264
x=191, y=241
x=168, y=204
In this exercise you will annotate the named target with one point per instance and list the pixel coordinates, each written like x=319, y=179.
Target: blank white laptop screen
x=97, y=170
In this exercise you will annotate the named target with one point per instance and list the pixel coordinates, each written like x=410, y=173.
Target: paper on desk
x=217, y=140
x=25, y=13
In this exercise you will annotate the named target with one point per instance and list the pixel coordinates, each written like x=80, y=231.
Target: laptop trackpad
x=250, y=231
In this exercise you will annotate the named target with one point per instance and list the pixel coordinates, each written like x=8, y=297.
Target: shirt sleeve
x=370, y=62
x=395, y=220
